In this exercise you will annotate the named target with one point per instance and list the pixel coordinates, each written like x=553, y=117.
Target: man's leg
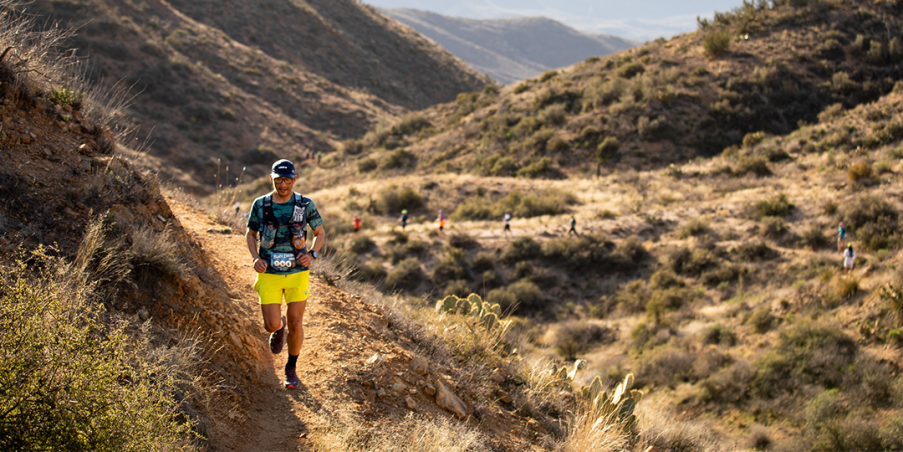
x=272, y=316
x=295, y=318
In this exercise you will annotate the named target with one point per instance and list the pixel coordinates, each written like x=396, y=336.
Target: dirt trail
x=341, y=332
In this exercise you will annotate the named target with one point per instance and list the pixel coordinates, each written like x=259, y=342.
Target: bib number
x=283, y=261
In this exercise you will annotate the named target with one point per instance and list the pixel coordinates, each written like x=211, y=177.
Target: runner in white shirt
x=507, y=230
x=849, y=257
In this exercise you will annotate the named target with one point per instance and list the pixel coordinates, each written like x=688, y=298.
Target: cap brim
x=283, y=174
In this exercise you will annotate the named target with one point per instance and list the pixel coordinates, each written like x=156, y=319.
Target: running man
x=279, y=221
x=841, y=236
x=356, y=222
x=441, y=220
x=403, y=219
x=849, y=257
x=573, y=227
x=507, y=219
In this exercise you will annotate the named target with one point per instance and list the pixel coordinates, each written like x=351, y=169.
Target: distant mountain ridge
x=510, y=50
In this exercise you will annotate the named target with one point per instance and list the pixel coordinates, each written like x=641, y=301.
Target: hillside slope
x=509, y=50
x=756, y=69
x=239, y=84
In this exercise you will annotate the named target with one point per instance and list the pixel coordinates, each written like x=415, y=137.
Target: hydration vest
x=297, y=224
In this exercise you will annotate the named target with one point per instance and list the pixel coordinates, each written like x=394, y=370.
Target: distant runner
x=849, y=257
x=573, y=227
x=356, y=222
x=403, y=219
x=841, y=236
x=441, y=220
x=280, y=220
x=507, y=219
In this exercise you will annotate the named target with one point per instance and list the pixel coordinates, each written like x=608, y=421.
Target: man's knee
x=272, y=325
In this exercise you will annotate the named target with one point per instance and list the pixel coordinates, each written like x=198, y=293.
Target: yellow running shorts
x=270, y=288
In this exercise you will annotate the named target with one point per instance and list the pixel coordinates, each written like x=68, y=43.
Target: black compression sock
x=292, y=361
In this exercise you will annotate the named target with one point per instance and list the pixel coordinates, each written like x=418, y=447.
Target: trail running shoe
x=291, y=379
x=277, y=339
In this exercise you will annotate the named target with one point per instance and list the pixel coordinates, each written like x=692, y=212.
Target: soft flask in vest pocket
x=269, y=237
x=298, y=239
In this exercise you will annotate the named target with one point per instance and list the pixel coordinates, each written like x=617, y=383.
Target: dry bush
x=814, y=237
x=361, y=244
x=772, y=228
x=845, y=286
x=660, y=430
x=154, y=253
x=860, y=172
x=521, y=249
x=546, y=202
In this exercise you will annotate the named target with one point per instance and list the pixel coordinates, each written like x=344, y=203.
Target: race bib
x=283, y=262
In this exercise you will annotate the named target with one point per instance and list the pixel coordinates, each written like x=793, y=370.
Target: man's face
x=283, y=185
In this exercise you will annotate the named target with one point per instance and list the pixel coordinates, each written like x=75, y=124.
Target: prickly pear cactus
x=448, y=304
x=463, y=306
x=490, y=321
x=474, y=298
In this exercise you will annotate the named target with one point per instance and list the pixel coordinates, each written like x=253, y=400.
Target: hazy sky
x=642, y=20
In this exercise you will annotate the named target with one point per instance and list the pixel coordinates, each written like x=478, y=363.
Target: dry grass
x=413, y=434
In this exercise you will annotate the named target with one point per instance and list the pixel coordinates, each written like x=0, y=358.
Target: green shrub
x=755, y=250
x=521, y=87
x=665, y=279
x=586, y=250
x=663, y=301
x=723, y=274
x=462, y=240
x=761, y=320
x=400, y=158
x=393, y=200
x=361, y=244
x=631, y=70
x=521, y=249
x=776, y=206
x=873, y=221
x=460, y=288
x=633, y=297
x=716, y=43
x=525, y=293
x=575, y=337
x=410, y=124
x=694, y=228
x=483, y=261
x=546, y=202
x=717, y=334
x=367, y=165
x=406, y=276
x=64, y=96
x=73, y=381
x=629, y=255
x=754, y=165
x=806, y=353
x=548, y=75
x=691, y=262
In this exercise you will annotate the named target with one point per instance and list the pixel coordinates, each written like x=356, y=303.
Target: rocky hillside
x=242, y=84
x=510, y=50
x=756, y=69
